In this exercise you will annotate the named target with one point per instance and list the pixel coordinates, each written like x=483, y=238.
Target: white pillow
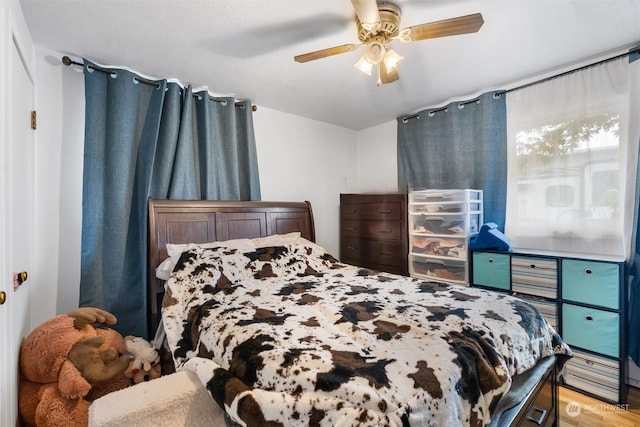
x=163, y=271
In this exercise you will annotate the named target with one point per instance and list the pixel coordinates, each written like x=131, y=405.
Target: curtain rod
x=461, y=104
x=68, y=61
x=634, y=51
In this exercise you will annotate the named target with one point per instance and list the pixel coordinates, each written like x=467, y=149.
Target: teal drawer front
x=591, y=282
x=591, y=329
x=492, y=270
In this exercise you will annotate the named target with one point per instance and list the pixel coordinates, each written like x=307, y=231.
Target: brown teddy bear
x=65, y=363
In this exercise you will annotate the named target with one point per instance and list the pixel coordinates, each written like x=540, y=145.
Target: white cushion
x=178, y=399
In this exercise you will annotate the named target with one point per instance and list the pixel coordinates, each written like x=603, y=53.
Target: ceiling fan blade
x=388, y=76
x=323, y=53
x=447, y=27
x=367, y=11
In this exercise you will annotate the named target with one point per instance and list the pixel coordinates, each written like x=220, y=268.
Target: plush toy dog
x=145, y=365
x=65, y=363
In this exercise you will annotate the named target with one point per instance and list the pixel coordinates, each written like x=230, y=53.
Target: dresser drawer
x=372, y=229
x=541, y=412
x=368, y=253
x=591, y=329
x=374, y=211
x=597, y=375
x=534, y=276
x=491, y=269
x=591, y=282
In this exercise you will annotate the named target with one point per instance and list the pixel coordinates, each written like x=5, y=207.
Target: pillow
x=278, y=240
x=163, y=271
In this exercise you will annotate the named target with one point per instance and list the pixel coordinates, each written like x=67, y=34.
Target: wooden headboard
x=202, y=221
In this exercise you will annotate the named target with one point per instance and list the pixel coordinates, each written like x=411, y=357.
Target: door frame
x=14, y=37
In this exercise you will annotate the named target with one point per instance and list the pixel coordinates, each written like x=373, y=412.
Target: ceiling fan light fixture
x=391, y=60
x=364, y=66
x=374, y=52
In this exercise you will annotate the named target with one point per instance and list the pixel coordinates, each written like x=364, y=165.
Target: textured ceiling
x=246, y=47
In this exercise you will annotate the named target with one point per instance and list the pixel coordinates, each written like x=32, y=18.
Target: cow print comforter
x=287, y=335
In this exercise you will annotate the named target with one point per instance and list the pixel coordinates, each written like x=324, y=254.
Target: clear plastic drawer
x=444, y=207
x=438, y=246
x=436, y=269
x=438, y=196
x=450, y=225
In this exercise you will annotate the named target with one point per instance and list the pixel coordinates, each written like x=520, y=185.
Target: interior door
x=17, y=216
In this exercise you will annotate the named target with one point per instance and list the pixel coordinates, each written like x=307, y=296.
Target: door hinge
x=34, y=120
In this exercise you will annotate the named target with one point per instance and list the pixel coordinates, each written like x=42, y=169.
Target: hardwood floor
x=587, y=412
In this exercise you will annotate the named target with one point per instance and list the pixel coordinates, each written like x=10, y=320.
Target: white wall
x=299, y=159
x=377, y=158
x=47, y=184
x=302, y=159
x=71, y=164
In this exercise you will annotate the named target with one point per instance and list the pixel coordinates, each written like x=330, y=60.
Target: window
x=568, y=161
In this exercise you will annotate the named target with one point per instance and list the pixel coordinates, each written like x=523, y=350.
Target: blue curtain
x=633, y=264
x=150, y=139
x=462, y=145
x=632, y=275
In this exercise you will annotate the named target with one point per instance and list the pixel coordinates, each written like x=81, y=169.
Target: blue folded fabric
x=489, y=237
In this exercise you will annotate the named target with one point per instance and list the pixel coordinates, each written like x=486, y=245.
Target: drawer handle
x=352, y=228
x=385, y=253
x=386, y=211
x=490, y=260
x=542, y=413
x=588, y=271
x=532, y=266
x=589, y=318
x=353, y=248
x=386, y=230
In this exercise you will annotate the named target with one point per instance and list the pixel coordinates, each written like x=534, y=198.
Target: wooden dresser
x=373, y=231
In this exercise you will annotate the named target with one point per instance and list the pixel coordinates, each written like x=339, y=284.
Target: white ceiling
x=246, y=47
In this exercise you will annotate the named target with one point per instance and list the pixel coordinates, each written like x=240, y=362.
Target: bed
x=281, y=333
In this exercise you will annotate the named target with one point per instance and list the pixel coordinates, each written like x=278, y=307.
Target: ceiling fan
x=378, y=25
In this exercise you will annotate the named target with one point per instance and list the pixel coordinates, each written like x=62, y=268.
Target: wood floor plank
x=584, y=411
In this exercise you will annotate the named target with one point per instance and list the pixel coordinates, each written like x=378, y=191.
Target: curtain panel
x=633, y=262
x=462, y=145
x=150, y=139
x=572, y=162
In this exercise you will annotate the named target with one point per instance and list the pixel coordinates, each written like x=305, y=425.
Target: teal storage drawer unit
x=591, y=282
x=591, y=329
x=492, y=270
x=583, y=298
